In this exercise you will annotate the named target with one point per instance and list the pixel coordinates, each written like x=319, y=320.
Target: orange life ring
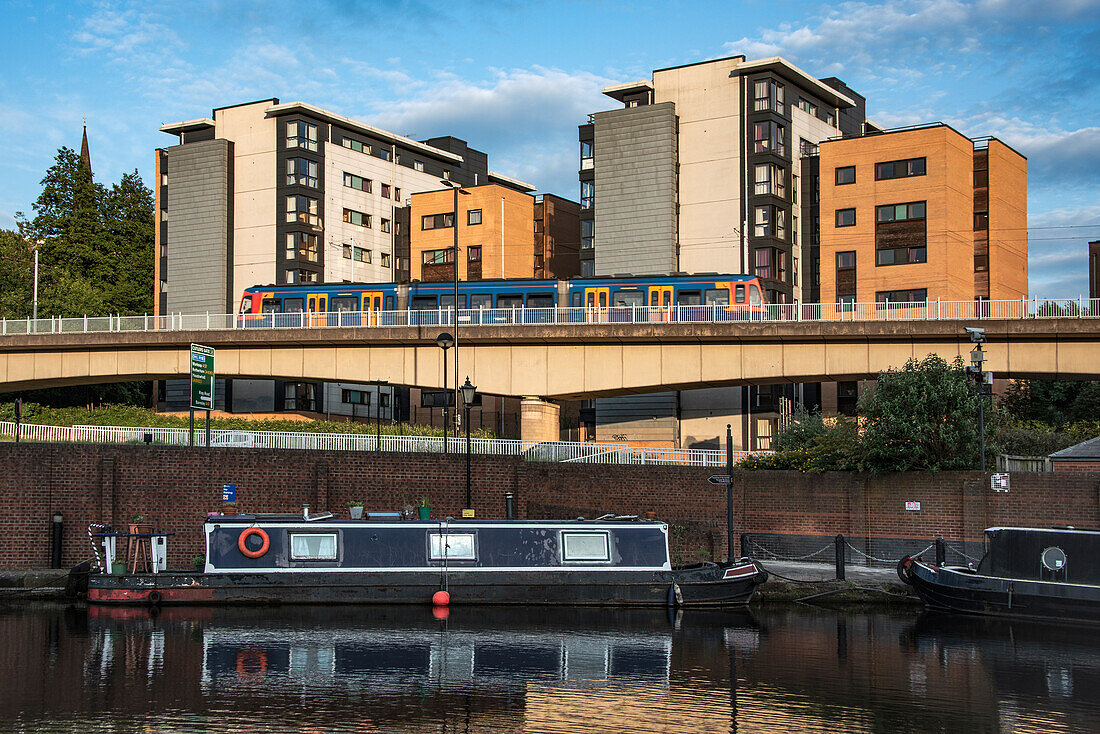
x=252, y=663
x=246, y=535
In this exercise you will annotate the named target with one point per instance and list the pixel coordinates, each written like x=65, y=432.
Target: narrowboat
x=288, y=559
x=1031, y=573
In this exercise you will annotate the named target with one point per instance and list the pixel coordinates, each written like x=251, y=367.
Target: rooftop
x=1085, y=450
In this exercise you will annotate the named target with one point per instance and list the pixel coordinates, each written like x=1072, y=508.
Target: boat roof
x=298, y=519
x=1091, y=531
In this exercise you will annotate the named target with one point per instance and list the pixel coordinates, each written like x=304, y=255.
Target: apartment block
x=267, y=192
x=922, y=214
x=700, y=170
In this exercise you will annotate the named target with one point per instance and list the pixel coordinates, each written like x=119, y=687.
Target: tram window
x=313, y=546
x=717, y=296
x=688, y=298
x=481, y=300
x=654, y=298
x=453, y=546
x=739, y=293
x=576, y=299
x=246, y=305
x=510, y=301
x=293, y=305
x=447, y=300
x=754, y=295
x=389, y=303
x=591, y=299
x=628, y=298
x=345, y=303
x=270, y=305
x=540, y=300
x=603, y=299
x=666, y=298
x=424, y=303
x=585, y=547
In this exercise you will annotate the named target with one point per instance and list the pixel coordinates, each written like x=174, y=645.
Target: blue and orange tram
x=708, y=297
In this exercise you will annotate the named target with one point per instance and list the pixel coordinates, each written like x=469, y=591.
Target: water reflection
x=396, y=669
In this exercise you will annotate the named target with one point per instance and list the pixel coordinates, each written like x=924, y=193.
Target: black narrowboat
x=1032, y=573
x=291, y=559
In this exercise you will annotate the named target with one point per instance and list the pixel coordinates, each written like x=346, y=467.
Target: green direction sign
x=202, y=377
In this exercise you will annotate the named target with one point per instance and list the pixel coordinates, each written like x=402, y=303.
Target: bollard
x=509, y=506
x=941, y=551
x=55, y=539
x=839, y=557
x=744, y=545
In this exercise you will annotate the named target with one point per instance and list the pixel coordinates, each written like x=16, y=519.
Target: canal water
x=399, y=669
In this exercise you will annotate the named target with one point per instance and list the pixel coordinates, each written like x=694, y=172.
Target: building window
x=304, y=209
x=438, y=257
x=981, y=179
x=981, y=263
x=846, y=260
x=899, y=169
x=981, y=220
x=473, y=216
x=473, y=254
x=845, y=217
x=385, y=224
x=418, y=165
x=912, y=295
x=301, y=172
x=302, y=246
x=355, y=397
x=361, y=255
x=356, y=145
x=845, y=175
x=359, y=219
x=586, y=155
x=770, y=179
x=808, y=107
x=357, y=182
x=301, y=135
x=830, y=119
x=806, y=148
x=446, y=175
x=901, y=255
x=588, y=231
x=385, y=191
x=397, y=193
x=385, y=154
x=437, y=221
x=770, y=221
x=768, y=96
x=385, y=259
x=588, y=194
x=771, y=264
x=347, y=251
x=900, y=212
x=588, y=268
x=770, y=138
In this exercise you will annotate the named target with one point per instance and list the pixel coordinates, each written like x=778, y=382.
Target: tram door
x=595, y=304
x=372, y=304
x=660, y=302
x=317, y=306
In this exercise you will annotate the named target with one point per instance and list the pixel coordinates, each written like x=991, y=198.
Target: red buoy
x=441, y=599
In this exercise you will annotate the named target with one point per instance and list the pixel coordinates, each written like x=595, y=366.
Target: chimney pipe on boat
x=305, y=512
x=509, y=506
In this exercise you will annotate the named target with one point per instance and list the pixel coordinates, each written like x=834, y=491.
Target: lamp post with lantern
x=469, y=393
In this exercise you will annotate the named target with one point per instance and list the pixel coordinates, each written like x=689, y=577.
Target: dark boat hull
x=705, y=586
x=962, y=591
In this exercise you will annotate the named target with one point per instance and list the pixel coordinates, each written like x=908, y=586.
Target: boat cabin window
x=584, y=546
x=294, y=305
x=452, y=546
x=717, y=296
x=540, y=300
x=628, y=298
x=313, y=546
x=510, y=301
x=481, y=300
x=688, y=298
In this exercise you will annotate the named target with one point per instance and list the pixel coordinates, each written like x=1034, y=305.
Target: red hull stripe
x=141, y=596
x=736, y=573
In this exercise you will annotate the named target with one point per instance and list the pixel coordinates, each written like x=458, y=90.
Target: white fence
x=783, y=312
x=548, y=451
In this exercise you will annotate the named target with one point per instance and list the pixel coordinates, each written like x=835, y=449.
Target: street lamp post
x=977, y=358
x=456, y=189
x=445, y=341
x=378, y=414
x=469, y=392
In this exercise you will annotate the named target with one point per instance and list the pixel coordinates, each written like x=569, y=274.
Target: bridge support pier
x=539, y=420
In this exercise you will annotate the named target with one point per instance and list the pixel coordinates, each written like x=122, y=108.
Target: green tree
x=1086, y=406
x=921, y=417
x=1048, y=401
x=130, y=225
x=16, y=275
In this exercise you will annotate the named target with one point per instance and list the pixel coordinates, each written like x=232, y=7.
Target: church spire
x=85, y=156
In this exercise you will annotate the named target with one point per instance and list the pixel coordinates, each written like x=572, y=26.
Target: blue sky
x=516, y=78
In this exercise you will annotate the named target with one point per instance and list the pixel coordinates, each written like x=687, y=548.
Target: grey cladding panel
x=199, y=227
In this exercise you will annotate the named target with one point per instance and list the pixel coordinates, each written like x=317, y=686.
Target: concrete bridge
x=551, y=362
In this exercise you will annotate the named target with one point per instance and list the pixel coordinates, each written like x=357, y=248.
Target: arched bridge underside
x=558, y=361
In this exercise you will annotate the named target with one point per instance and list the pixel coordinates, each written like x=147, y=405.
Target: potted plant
x=424, y=509
x=199, y=562
x=137, y=524
x=355, y=507
x=229, y=508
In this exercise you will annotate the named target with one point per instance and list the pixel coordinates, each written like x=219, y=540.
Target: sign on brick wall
x=202, y=377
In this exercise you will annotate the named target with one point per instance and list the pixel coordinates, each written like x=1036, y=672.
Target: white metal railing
x=547, y=451
x=1015, y=309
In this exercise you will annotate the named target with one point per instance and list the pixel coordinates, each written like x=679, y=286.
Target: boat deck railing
x=542, y=451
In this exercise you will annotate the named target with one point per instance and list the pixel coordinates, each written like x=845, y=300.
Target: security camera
x=976, y=335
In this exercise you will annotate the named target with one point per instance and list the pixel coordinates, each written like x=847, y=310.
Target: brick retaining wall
x=790, y=512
